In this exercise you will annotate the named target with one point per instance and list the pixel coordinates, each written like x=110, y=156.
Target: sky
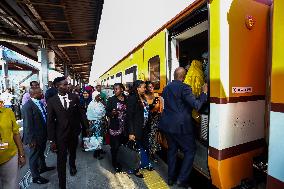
x=125, y=24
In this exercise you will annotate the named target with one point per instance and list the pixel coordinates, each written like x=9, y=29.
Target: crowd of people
x=64, y=112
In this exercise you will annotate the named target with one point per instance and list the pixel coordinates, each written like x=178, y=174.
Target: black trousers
x=186, y=142
x=115, y=142
x=37, y=158
x=64, y=147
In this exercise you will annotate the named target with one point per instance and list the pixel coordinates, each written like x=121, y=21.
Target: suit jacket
x=50, y=93
x=62, y=123
x=178, y=104
x=34, y=125
x=135, y=117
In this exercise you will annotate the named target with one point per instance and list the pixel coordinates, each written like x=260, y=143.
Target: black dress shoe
x=73, y=171
x=40, y=180
x=139, y=175
x=183, y=185
x=46, y=169
x=171, y=182
x=118, y=169
x=102, y=151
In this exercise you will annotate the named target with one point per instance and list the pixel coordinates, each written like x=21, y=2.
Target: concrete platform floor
x=98, y=174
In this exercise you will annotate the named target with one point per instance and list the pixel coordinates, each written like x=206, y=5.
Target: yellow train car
x=275, y=177
x=236, y=35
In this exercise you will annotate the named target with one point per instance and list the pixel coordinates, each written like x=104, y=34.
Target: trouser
x=64, y=147
x=115, y=142
x=186, y=143
x=37, y=159
x=9, y=174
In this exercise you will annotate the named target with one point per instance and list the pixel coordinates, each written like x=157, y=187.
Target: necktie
x=65, y=103
x=43, y=110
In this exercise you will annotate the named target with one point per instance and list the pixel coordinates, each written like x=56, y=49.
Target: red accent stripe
x=235, y=150
x=277, y=107
x=227, y=100
x=273, y=183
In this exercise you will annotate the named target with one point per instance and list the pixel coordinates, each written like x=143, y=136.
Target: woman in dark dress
x=116, y=112
x=155, y=106
x=137, y=118
x=85, y=100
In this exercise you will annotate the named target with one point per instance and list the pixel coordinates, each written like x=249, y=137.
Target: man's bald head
x=36, y=93
x=179, y=73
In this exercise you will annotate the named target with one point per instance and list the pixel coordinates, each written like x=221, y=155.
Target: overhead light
x=13, y=41
x=73, y=45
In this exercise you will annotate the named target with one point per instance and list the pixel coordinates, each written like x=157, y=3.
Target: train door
x=188, y=41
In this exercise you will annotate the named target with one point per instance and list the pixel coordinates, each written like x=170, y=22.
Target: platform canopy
x=67, y=27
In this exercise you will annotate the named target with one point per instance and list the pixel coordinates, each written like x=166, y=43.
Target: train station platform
x=98, y=174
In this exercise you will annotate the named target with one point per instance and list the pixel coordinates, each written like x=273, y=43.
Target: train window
x=154, y=71
x=131, y=74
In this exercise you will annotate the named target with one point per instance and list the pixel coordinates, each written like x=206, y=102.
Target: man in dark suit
x=51, y=91
x=63, y=127
x=176, y=122
x=35, y=134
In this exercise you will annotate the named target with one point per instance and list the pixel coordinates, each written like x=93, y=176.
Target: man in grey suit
x=35, y=134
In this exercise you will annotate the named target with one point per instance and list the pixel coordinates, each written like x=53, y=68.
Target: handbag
x=161, y=139
x=92, y=143
x=128, y=156
x=132, y=156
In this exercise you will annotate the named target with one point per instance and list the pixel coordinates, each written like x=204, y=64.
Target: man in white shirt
x=63, y=127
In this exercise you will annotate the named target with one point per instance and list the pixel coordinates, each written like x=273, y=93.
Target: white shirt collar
x=60, y=96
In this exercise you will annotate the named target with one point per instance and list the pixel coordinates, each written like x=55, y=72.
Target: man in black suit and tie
x=35, y=134
x=63, y=127
x=176, y=122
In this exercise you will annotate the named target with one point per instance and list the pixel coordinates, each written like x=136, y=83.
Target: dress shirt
x=41, y=107
x=62, y=100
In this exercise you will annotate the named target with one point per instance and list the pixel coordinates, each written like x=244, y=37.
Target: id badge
x=4, y=145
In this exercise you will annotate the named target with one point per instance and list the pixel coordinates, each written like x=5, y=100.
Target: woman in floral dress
x=155, y=106
x=95, y=114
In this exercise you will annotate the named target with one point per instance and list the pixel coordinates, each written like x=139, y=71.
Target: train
x=244, y=119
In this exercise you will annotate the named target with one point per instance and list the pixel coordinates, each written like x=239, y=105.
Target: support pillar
x=43, y=59
x=66, y=73
x=4, y=66
x=51, y=59
x=74, y=79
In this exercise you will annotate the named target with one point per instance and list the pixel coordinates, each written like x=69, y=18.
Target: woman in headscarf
x=85, y=100
x=95, y=114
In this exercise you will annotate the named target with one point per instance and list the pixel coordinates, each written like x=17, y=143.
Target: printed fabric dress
x=154, y=119
x=96, y=114
x=121, y=109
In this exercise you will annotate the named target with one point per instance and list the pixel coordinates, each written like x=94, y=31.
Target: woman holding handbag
x=116, y=112
x=137, y=118
x=95, y=114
